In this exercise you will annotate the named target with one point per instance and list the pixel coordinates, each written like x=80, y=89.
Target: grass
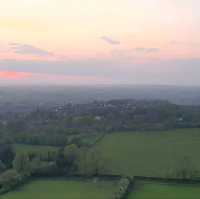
x=63, y=189
x=142, y=153
x=25, y=148
x=150, y=153
x=153, y=190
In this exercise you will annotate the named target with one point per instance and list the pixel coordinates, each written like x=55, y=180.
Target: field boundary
x=159, y=180
x=130, y=188
x=168, y=180
x=98, y=140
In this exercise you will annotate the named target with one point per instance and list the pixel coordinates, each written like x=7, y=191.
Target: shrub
x=21, y=164
x=122, y=188
x=2, y=166
x=46, y=169
x=9, y=180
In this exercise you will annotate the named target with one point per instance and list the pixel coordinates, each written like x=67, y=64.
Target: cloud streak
x=26, y=49
x=146, y=50
x=184, y=43
x=110, y=41
x=14, y=75
x=127, y=54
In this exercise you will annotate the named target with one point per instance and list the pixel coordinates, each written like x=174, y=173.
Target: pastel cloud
x=139, y=53
x=110, y=41
x=147, y=50
x=26, y=49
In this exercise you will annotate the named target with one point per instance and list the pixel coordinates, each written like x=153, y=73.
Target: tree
x=71, y=153
x=91, y=162
x=2, y=166
x=21, y=164
x=82, y=161
x=60, y=160
x=96, y=162
x=186, y=169
x=10, y=179
x=6, y=154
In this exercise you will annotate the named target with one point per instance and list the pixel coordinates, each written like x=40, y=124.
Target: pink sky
x=136, y=34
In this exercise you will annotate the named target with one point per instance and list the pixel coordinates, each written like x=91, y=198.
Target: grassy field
x=63, y=189
x=152, y=190
x=142, y=153
x=150, y=153
x=24, y=148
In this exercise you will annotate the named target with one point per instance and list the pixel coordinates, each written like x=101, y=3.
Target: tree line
x=70, y=160
x=56, y=126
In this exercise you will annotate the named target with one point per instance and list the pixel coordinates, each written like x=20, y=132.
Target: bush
x=21, y=164
x=122, y=188
x=2, y=166
x=6, y=154
x=46, y=169
x=9, y=180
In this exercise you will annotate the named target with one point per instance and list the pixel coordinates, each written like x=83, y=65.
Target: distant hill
x=20, y=99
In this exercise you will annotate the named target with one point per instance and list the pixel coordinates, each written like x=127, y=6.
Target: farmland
x=150, y=153
x=129, y=153
x=62, y=189
x=154, y=190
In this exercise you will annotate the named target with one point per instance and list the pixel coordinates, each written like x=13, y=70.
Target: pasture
x=151, y=154
x=63, y=189
x=154, y=190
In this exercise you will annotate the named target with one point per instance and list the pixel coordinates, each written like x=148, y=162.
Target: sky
x=88, y=42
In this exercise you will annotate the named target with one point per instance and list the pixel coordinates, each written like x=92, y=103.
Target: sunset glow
x=14, y=75
x=92, y=32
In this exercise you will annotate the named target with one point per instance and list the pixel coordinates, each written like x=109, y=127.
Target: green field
x=63, y=189
x=25, y=148
x=153, y=190
x=150, y=153
x=142, y=153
